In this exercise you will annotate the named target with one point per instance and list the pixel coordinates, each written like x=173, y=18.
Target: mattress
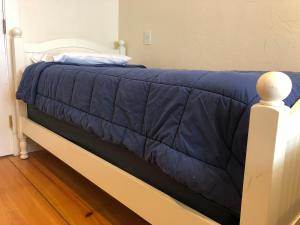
x=134, y=165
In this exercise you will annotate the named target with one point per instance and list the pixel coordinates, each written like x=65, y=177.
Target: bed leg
x=20, y=107
x=266, y=150
x=23, y=147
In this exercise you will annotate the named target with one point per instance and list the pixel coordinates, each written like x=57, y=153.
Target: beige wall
x=213, y=34
x=95, y=20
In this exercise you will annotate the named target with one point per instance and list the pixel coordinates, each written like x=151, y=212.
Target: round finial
x=16, y=32
x=122, y=43
x=274, y=87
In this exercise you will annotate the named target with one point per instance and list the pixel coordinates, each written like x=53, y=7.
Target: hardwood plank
x=76, y=198
x=20, y=202
x=65, y=201
x=109, y=207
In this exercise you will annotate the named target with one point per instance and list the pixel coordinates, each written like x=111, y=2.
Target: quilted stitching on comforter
x=191, y=124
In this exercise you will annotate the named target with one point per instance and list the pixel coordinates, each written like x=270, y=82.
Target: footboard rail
x=271, y=191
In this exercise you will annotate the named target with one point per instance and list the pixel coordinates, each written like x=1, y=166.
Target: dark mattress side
x=134, y=165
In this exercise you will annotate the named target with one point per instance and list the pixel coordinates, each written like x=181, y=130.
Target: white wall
x=42, y=20
x=95, y=20
x=213, y=34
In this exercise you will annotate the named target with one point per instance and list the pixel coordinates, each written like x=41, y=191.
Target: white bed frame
x=271, y=192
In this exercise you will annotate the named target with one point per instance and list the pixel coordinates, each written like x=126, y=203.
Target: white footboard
x=271, y=192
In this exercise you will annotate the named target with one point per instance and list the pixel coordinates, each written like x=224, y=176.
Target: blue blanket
x=192, y=124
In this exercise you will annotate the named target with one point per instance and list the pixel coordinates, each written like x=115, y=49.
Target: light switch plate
x=147, y=38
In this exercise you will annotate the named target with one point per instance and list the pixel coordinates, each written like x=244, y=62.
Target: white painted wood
x=122, y=47
x=289, y=205
x=12, y=15
x=21, y=110
x=147, y=201
x=43, y=48
x=6, y=134
x=262, y=171
x=273, y=88
x=67, y=43
x=269, y=168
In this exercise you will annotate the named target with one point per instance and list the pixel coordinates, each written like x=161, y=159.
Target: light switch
x=147, y=38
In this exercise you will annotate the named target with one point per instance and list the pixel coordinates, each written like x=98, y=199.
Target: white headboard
x=29, y=49
x=67, y=43
x=22, y=51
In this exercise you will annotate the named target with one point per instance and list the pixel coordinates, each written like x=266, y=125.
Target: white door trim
x=6, y=107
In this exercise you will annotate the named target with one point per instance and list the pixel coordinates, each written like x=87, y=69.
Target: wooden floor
x=43, y=190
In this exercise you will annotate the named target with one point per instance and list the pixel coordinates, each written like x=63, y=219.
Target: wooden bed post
x=19, y=64
x=122, y=47
x=266, y=147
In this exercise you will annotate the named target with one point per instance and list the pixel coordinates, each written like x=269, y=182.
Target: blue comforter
x=192, y=124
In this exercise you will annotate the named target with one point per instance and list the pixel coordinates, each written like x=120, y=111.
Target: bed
x=170, y=145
